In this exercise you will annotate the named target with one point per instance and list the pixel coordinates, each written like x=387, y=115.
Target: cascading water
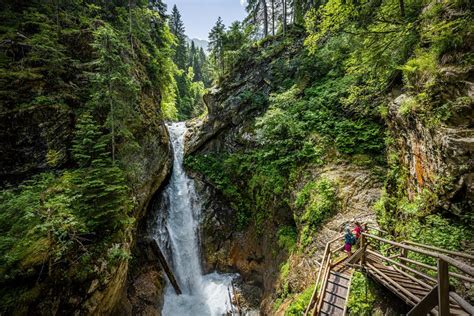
x=177, y=234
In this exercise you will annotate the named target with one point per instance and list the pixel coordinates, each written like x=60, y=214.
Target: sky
x=199, y=16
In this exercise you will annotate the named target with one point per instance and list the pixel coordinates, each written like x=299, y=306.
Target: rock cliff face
x=30, y=139
x=255, y=252
x=29, y=136
x=438, y=158
x=230, y=108
x=154, y=162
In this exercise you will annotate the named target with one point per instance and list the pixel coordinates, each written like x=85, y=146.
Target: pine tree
x=205, y=71
x=101, y=190
x=158, y=6
x=115, y=89
x=87, y=145
x=177, y=29
x=191, y=53
x=216, y=44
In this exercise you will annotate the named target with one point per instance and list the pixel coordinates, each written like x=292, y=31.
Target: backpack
x=353, y=240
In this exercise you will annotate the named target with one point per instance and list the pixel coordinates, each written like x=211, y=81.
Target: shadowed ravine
x=177, y=233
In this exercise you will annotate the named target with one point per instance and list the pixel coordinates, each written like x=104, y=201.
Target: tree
x=205, y=70
x=284, y=15
x=101, y=187
x=113, y=85
x=265, y=17
x=87, y=145
x=191, y=53
x=158, y=6
x=216, y=44
x=298, y=12
x=177, y=29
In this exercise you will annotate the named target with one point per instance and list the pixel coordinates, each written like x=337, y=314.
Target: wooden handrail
x=427, y=266
x=322, y=266
x=445, y=251
x=323, y=287
x=462, y=302
x=377, y=229
x=456, y=263
x=395, y=284
x=421, y=274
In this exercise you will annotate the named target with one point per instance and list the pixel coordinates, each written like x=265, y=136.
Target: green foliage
x=361, y=296
x=287, y=238
x=318, y=200
x=109, y=67
x=216, y=169
x=192, y=73
x=299, y=303
x=44, y=217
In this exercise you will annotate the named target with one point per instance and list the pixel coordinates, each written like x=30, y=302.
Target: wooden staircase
x=425, y=287
x=336, y=293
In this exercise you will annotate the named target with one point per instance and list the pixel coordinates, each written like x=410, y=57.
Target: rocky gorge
x=324, y=122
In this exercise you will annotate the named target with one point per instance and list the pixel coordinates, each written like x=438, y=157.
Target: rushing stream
x=178, y=236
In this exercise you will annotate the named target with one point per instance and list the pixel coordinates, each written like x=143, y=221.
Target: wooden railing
x=434, y=279
x=441, y=293
x=321, y=280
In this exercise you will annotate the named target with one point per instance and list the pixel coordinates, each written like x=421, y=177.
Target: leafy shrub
x=287, y=237
x=318, y=200
x=361, y=296
x=299, y=303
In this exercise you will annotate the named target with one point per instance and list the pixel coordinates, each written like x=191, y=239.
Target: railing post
x=443, y=288
x=362, y=246
x=403, y=254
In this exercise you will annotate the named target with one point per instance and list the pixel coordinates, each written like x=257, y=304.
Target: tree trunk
x=402, y=8
x=265, y=18
x=130, y=25
x=284, y=16
x=273, y=17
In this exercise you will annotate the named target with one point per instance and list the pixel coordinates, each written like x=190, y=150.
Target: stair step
x=331, y=309
x=340, y=275
x=345, y=285
x=342, y=293
x=337, y=290
x=334, y=299
x=341, y=282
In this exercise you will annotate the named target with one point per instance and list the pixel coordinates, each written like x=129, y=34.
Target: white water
x=177, y=234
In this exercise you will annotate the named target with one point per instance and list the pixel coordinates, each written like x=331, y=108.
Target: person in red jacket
x=358, y=230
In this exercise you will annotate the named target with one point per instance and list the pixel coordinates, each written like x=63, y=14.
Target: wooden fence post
x=362, y=246
x=403, y=254
x=443, y=288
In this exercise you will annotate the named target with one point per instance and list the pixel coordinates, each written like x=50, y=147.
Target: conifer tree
x=101, y=187
x=177, y=29
x=216, y=44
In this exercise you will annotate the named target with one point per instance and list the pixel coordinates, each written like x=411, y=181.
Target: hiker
x=358, y=230
x=349, y=240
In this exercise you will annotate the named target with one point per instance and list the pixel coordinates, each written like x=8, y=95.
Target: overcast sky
x=199, y=16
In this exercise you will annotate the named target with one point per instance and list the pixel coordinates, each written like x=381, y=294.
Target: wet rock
x=438, y=158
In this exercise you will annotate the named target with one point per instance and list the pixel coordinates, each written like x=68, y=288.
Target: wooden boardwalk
x=336, y=293
x=426, y=288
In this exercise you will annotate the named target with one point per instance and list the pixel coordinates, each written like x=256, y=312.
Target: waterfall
x=177, y=232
